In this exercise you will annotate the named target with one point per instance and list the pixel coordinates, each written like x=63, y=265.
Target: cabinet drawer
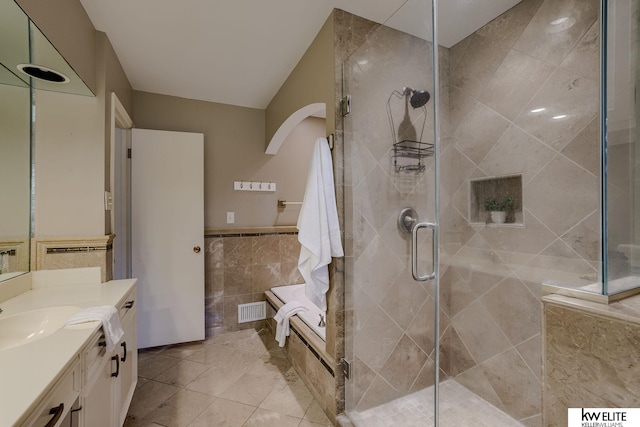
x=59, y=399
x=94, y=355
x=126, y=304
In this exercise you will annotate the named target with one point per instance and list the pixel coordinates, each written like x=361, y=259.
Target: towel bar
x=284, y=203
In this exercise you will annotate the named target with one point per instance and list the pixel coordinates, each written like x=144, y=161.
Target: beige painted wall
x=110, y=69
x=69, y=157
x=311, y=81
x=234, y=151
x=72, y=132
x=111, y=78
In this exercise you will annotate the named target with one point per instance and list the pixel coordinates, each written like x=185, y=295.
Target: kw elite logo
x=604, y=417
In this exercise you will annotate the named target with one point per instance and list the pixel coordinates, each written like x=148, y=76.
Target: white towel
x=318, y=226
x=108, y=315
x=282, y=319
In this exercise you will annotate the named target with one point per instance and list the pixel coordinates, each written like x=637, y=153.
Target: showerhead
x=419, y=98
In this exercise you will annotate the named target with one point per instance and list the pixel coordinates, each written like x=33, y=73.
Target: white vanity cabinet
x=67, y=378
x=55, y=408
x=127, y=350
x=110, y=378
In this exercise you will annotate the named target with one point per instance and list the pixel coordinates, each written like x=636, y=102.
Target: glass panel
x=390, y=329
x=15, y=182
x=523, y=104
x=21, y=43
x=14, y=42
x=15, y=143
x=44, y=53
x=623, y=162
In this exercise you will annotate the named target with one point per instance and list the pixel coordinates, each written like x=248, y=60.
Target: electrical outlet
x=230, y=217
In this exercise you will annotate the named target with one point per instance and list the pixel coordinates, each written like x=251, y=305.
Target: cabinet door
x=98, y=406
x=128, y=377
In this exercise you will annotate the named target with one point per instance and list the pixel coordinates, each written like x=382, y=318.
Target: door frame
x=119, y=161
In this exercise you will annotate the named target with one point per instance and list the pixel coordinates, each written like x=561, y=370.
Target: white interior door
x=167, y=226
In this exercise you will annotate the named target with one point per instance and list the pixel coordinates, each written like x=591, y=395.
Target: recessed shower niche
x=502, y=194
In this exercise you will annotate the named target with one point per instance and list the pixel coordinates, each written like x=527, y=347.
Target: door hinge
x=345, y=105
x=346, y=368
x=128, y=153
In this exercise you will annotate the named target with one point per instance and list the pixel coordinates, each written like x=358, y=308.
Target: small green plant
x=491, y=204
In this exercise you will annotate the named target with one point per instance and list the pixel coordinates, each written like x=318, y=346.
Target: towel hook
x=331, y=141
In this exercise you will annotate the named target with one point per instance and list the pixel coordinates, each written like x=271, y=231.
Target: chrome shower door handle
x=414, y=251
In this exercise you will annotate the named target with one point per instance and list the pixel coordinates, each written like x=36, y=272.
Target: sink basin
x=32, y=325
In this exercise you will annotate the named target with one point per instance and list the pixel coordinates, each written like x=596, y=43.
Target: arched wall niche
x=316, y=109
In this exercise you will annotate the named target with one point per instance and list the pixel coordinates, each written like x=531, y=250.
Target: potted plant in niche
x=498, y=209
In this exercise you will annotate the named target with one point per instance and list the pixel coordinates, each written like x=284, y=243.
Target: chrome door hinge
x=345, y=105
x=346, y=368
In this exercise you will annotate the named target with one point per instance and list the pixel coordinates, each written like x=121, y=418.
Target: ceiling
x=240, y=52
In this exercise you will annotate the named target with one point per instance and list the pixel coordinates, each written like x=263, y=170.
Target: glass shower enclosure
x=620, y=162
x=532, y=115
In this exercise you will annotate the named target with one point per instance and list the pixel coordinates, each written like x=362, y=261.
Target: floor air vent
x=252, y=311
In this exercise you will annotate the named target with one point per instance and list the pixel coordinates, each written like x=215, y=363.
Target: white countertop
x=27, y=372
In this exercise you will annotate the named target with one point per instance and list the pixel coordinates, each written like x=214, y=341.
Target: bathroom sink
x=29, y=326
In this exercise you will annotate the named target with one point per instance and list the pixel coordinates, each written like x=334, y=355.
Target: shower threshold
x=615, y=286
x=458, y=407
x=618, y=289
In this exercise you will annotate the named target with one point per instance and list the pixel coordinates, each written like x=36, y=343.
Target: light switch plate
x=230, y=217
x=108, y=201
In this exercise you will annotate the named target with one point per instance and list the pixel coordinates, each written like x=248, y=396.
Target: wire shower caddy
x=415, y=150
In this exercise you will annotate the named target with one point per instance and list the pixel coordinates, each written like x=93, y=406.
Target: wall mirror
x=21, y=42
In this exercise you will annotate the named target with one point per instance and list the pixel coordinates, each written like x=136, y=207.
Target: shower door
x=390, y=168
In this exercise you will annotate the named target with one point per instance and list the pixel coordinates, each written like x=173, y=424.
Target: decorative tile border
x=50, y=253
x=251, y=234
x=79, y=249
x=249, y=231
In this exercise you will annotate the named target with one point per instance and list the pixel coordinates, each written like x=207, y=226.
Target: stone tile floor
x=236, y=379
x=242, y=379
x=459, y=407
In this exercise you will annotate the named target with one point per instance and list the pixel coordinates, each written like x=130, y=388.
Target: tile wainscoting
x=52, y=253
x=240, y=265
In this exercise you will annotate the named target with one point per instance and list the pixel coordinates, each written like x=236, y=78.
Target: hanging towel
x=318, y=226
x=108, y=315
x=282, y=319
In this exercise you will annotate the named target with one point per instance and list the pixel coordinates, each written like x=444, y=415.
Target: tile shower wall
x=519, y=96
x=523, y=95
x=239, y=268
